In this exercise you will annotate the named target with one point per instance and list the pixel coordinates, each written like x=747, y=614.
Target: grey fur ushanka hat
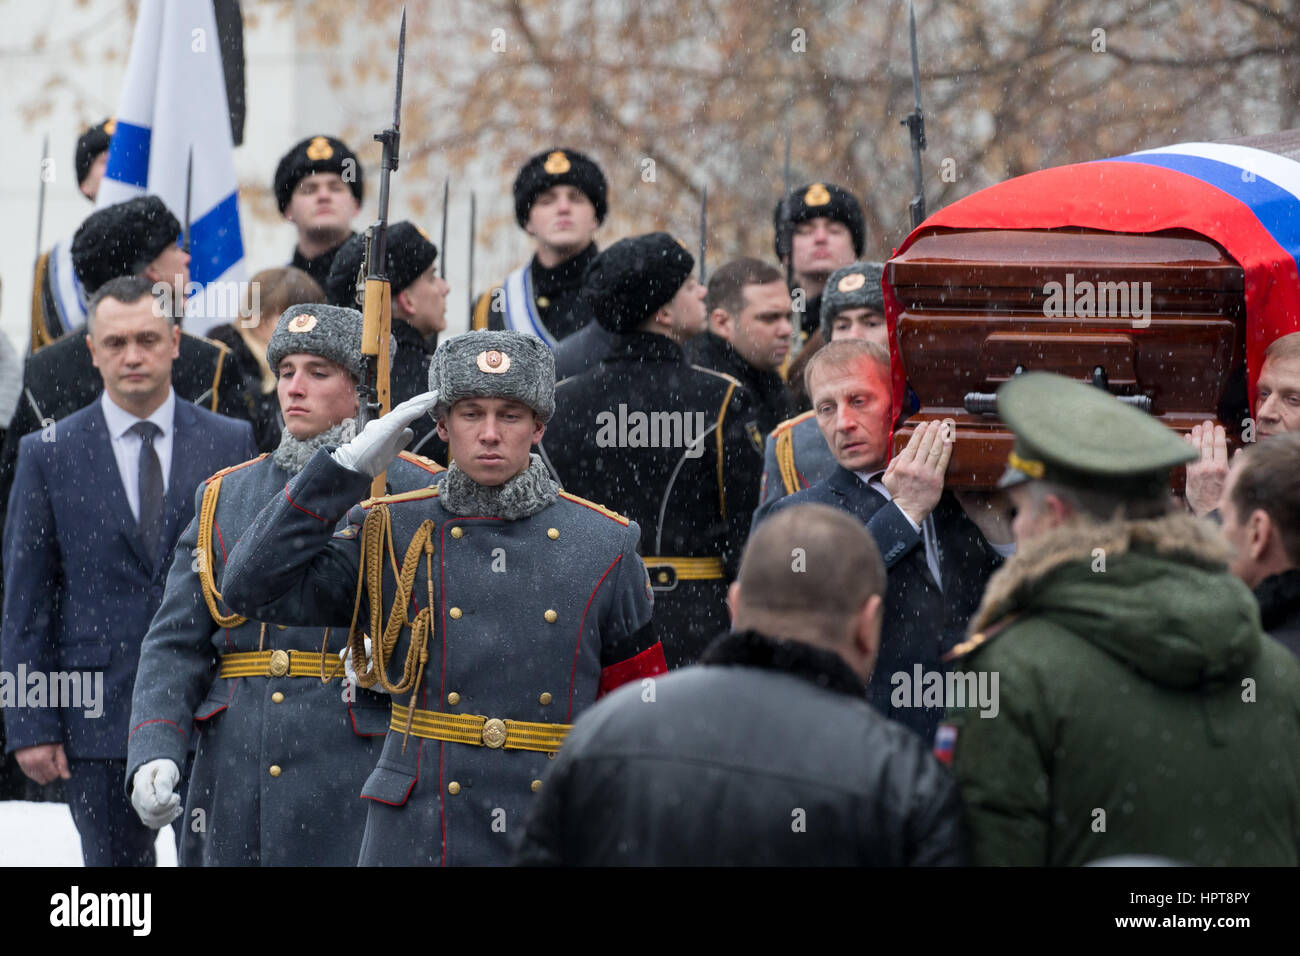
x=491, y=364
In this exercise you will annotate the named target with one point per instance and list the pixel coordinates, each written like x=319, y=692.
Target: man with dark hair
x=59, y=302
x=732, y=764
x=672, y=445
x=284, y=744
x=1141, y=710
x=853, y=307
x=98, y=500
x=824, y=231
x=561, y=198
x=1260, y=509
x=532, y=602
x=319, y=186
x=133, y=238
x=419, y=306
x=749, y=334
x=937, y=553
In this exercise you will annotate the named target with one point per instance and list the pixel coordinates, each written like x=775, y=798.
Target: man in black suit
x=939, y=551
x=98, y=501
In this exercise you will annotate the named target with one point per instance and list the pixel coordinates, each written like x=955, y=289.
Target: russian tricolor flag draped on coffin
x=174, y=102
x=1245, y=199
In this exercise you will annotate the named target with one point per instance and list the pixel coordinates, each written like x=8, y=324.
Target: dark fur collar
x=824, y=668
x=1279, y=599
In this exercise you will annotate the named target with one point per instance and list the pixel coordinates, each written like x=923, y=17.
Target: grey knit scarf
x=294, y=453
x=522, y=496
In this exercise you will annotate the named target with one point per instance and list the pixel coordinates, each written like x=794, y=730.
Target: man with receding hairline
x=766, y=753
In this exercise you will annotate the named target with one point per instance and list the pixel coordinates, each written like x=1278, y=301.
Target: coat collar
x=567, y=276
x=824, y=668
x=1279, y=599
x=715, y=352
x=645, y=347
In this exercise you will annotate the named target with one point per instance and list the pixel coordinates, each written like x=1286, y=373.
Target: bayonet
x=473, y=223
x=443, y=247
x=704, y=233
x=915, y=123
x=189, y=188
x=40, y=200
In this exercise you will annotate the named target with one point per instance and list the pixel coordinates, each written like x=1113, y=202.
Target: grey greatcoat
x=281, y=760
x=795, y=457
x=532, y=618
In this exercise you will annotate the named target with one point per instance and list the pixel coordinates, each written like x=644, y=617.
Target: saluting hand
x=914, y=476
x=372, y=451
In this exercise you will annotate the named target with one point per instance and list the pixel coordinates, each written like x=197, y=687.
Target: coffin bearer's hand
x=374, y=449
x=153, y=793
x=991, y=513
x=1206, y=475
x=915, y=475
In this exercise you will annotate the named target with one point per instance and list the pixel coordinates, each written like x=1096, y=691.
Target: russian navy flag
x=1245, y=199
x=173, y=106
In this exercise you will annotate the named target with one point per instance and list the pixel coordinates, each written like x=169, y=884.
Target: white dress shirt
x=925, y=529
x=126, y=444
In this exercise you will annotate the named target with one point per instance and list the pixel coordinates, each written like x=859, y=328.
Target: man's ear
x=1260, y=532
x=176, y=340
x=403, y=301
x=721, y=323
x=539, y=428
x=733, y=602
x=866, y=637
x=1058, y=509
x=442, y=428
x=90, y=344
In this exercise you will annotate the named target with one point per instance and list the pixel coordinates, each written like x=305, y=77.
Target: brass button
x=553, y=534
x=275, y=770
x=453, y=788
x=543, y=301
x=494, y=733
x=546, y=698
x=453, y=698
x=551, y=617
x=458, y=532
x=663, y=577
x=536, y=785
x=277, y=698
x=279, y=663
x=454, y=614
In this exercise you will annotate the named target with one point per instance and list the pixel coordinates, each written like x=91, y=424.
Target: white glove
x=371, y=452
x=153, y=793
x=346, y=655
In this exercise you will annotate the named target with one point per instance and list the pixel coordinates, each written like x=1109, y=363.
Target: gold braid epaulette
x=376, y=538
x=207, y=516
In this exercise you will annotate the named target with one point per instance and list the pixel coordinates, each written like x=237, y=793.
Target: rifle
x=786, y=243
x=40, y=202
x=372, y=390
x=704, y=233
x=915, y=123
x=442, y=272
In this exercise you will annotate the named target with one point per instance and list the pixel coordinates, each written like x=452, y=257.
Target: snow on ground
x=42, y=834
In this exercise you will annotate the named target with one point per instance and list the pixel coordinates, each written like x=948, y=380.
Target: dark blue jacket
x=80, y=588
x=922, y=622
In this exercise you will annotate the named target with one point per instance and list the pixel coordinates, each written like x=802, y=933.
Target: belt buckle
x=279, y=663
x=494, y=733
x=663, y=577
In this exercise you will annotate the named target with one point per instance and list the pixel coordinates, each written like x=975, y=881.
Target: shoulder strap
x=207, y=518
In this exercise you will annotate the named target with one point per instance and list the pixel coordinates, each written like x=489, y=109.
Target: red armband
x=648, y=663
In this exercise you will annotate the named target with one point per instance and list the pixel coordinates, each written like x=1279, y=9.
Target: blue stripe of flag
x=128, y=159
x=1277, y=210
x=215, y=241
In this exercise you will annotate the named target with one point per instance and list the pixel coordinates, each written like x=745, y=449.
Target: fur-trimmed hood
x=1155, y=593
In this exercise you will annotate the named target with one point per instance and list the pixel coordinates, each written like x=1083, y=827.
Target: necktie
x=151, y=487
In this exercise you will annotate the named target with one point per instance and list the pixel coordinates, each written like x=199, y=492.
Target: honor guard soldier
x=319, y=187
x=1139, y=709
x=673, y=445
x=58, y=302
x=560, y=200
x=419, y=297
x=284, y=744
x=827, y=230
x=515, y=607
x=136, y=237
x=796, y=455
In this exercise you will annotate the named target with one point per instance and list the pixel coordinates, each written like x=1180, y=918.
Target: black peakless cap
x=824, y=199
x=410, y=253
x=629, y=281
x=317, y=154
x=559, y=167
x=90, y=144
x=121, y=240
